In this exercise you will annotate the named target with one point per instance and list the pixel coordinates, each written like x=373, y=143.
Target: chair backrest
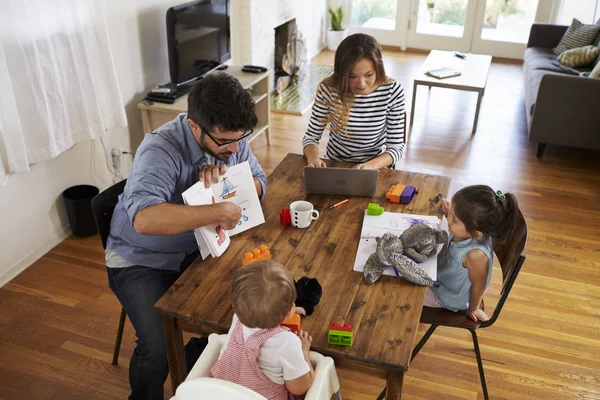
x=511, y=259
x=103, y=207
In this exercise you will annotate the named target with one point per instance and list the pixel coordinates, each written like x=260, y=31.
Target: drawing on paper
x=228, y=191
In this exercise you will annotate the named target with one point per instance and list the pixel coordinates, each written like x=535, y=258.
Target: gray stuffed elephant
x=389, y=252
x=420, y=241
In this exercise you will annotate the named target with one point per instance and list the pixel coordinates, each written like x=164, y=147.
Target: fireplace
x=283, y=36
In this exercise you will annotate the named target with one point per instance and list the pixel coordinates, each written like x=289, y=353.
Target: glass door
x=381, y=19
x=442, y=24
x=502, y=26
x=496, y=27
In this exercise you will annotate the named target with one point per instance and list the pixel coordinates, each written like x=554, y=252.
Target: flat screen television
x=198, y=38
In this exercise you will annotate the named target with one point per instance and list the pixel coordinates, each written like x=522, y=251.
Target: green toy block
x=374, y=209
x=339, y=334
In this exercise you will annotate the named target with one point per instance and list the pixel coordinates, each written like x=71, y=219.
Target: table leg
x=479, y=96
x=175, y=351
x=412, y=106
x=394, y=384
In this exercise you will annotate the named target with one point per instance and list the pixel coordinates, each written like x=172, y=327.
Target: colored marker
x=338, y=204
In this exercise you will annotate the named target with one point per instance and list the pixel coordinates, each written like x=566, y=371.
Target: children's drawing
x=228, y=191
x=220, y=235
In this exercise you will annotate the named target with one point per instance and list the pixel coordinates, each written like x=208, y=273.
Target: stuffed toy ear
x=308, y=295
x=441, y=237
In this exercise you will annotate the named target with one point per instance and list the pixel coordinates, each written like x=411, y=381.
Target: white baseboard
x=32, y=257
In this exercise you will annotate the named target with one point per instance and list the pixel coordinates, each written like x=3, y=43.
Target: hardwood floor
x=58, y=319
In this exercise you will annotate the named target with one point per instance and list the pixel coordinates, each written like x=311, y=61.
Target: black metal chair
x=511, y=259
x=103, y=207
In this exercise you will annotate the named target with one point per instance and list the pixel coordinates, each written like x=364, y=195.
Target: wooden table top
x=474, y=70
x=384, y=315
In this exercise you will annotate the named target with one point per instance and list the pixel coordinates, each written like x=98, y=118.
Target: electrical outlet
x=116, y=157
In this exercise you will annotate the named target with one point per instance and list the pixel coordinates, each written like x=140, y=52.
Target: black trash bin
x=78, y=201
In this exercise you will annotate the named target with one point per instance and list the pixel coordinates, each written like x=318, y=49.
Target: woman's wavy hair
x=350, y=51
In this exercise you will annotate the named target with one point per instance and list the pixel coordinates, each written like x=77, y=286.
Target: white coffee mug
x=302, y=213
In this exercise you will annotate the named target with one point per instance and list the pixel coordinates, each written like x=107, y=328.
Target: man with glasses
x=151, y=239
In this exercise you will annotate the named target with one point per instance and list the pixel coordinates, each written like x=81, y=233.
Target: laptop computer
x=340, y=181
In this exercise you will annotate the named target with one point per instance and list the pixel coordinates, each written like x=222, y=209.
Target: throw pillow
x=595, y=72
x=578, y=35
x=579, y=56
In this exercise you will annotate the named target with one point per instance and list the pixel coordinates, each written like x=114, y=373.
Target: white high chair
x=200, y=385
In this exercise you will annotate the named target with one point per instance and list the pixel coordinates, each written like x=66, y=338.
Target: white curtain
x=58, y=84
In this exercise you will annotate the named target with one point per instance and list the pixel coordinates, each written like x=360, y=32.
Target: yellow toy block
x=292, y=322
x=394, y=193
x=262, y=252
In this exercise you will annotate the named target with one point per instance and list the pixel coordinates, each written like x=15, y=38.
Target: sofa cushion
x=540, y=58
x=578, y=35
x=579, y=57
x=595, y=72
x=533, y=79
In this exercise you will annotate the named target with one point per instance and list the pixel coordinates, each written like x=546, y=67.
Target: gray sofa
x=562, y=108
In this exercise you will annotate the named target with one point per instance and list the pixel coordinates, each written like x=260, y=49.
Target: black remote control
x=253, y=68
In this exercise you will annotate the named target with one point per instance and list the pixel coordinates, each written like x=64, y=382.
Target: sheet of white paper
x=237, y=186
x=211, y=240
x=396, y=223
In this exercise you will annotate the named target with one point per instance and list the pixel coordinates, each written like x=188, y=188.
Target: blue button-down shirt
x=166, y=164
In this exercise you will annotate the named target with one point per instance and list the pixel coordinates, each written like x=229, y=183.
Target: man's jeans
x=138, y=289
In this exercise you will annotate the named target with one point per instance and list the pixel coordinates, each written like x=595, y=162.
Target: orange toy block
x=292, y=322
x=394, y=193
x=260, y=253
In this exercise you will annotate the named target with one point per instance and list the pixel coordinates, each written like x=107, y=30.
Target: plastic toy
x=569, y=69
x=292, y=322
x=339, y=334
x=374, y=209
x=260, y=253
x=394, y=193
x=408, y=194
x=401, y=194
x=284, y=217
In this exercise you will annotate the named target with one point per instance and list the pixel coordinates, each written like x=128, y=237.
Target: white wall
x=32, y=214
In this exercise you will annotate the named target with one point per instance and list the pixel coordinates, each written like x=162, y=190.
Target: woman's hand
x=316, y=162
x=366, y=165
x=477, y=315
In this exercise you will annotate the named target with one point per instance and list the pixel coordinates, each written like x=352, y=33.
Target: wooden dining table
x=384, y=316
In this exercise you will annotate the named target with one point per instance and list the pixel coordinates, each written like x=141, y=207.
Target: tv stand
x=157, y=114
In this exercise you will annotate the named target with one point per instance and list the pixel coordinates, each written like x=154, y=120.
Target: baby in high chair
x=260, y=354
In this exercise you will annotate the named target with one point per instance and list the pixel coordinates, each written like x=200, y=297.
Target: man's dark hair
x=220, y=100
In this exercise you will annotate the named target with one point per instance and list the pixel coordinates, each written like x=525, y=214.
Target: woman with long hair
x=361, y=106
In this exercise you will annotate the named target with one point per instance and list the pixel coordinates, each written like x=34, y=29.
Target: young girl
x=363, y=107
x=260, y=354
x=477, y=217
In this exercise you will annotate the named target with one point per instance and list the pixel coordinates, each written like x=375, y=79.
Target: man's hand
x=316, y=162
x=210, y=173
x=228, y=214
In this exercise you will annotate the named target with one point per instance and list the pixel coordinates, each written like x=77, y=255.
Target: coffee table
x=474, y=72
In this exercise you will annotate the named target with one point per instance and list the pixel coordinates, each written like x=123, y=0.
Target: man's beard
x=224, y=156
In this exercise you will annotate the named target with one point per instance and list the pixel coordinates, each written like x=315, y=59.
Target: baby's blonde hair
x=262, y=294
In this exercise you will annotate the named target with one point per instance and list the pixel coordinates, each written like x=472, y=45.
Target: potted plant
x=336, y=33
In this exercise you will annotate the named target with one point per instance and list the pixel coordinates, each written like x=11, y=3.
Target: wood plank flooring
x=58, y=319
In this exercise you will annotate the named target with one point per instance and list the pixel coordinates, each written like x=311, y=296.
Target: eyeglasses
x=223, y=143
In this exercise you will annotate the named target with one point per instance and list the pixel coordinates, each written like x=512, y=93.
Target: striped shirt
x=375, y=125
